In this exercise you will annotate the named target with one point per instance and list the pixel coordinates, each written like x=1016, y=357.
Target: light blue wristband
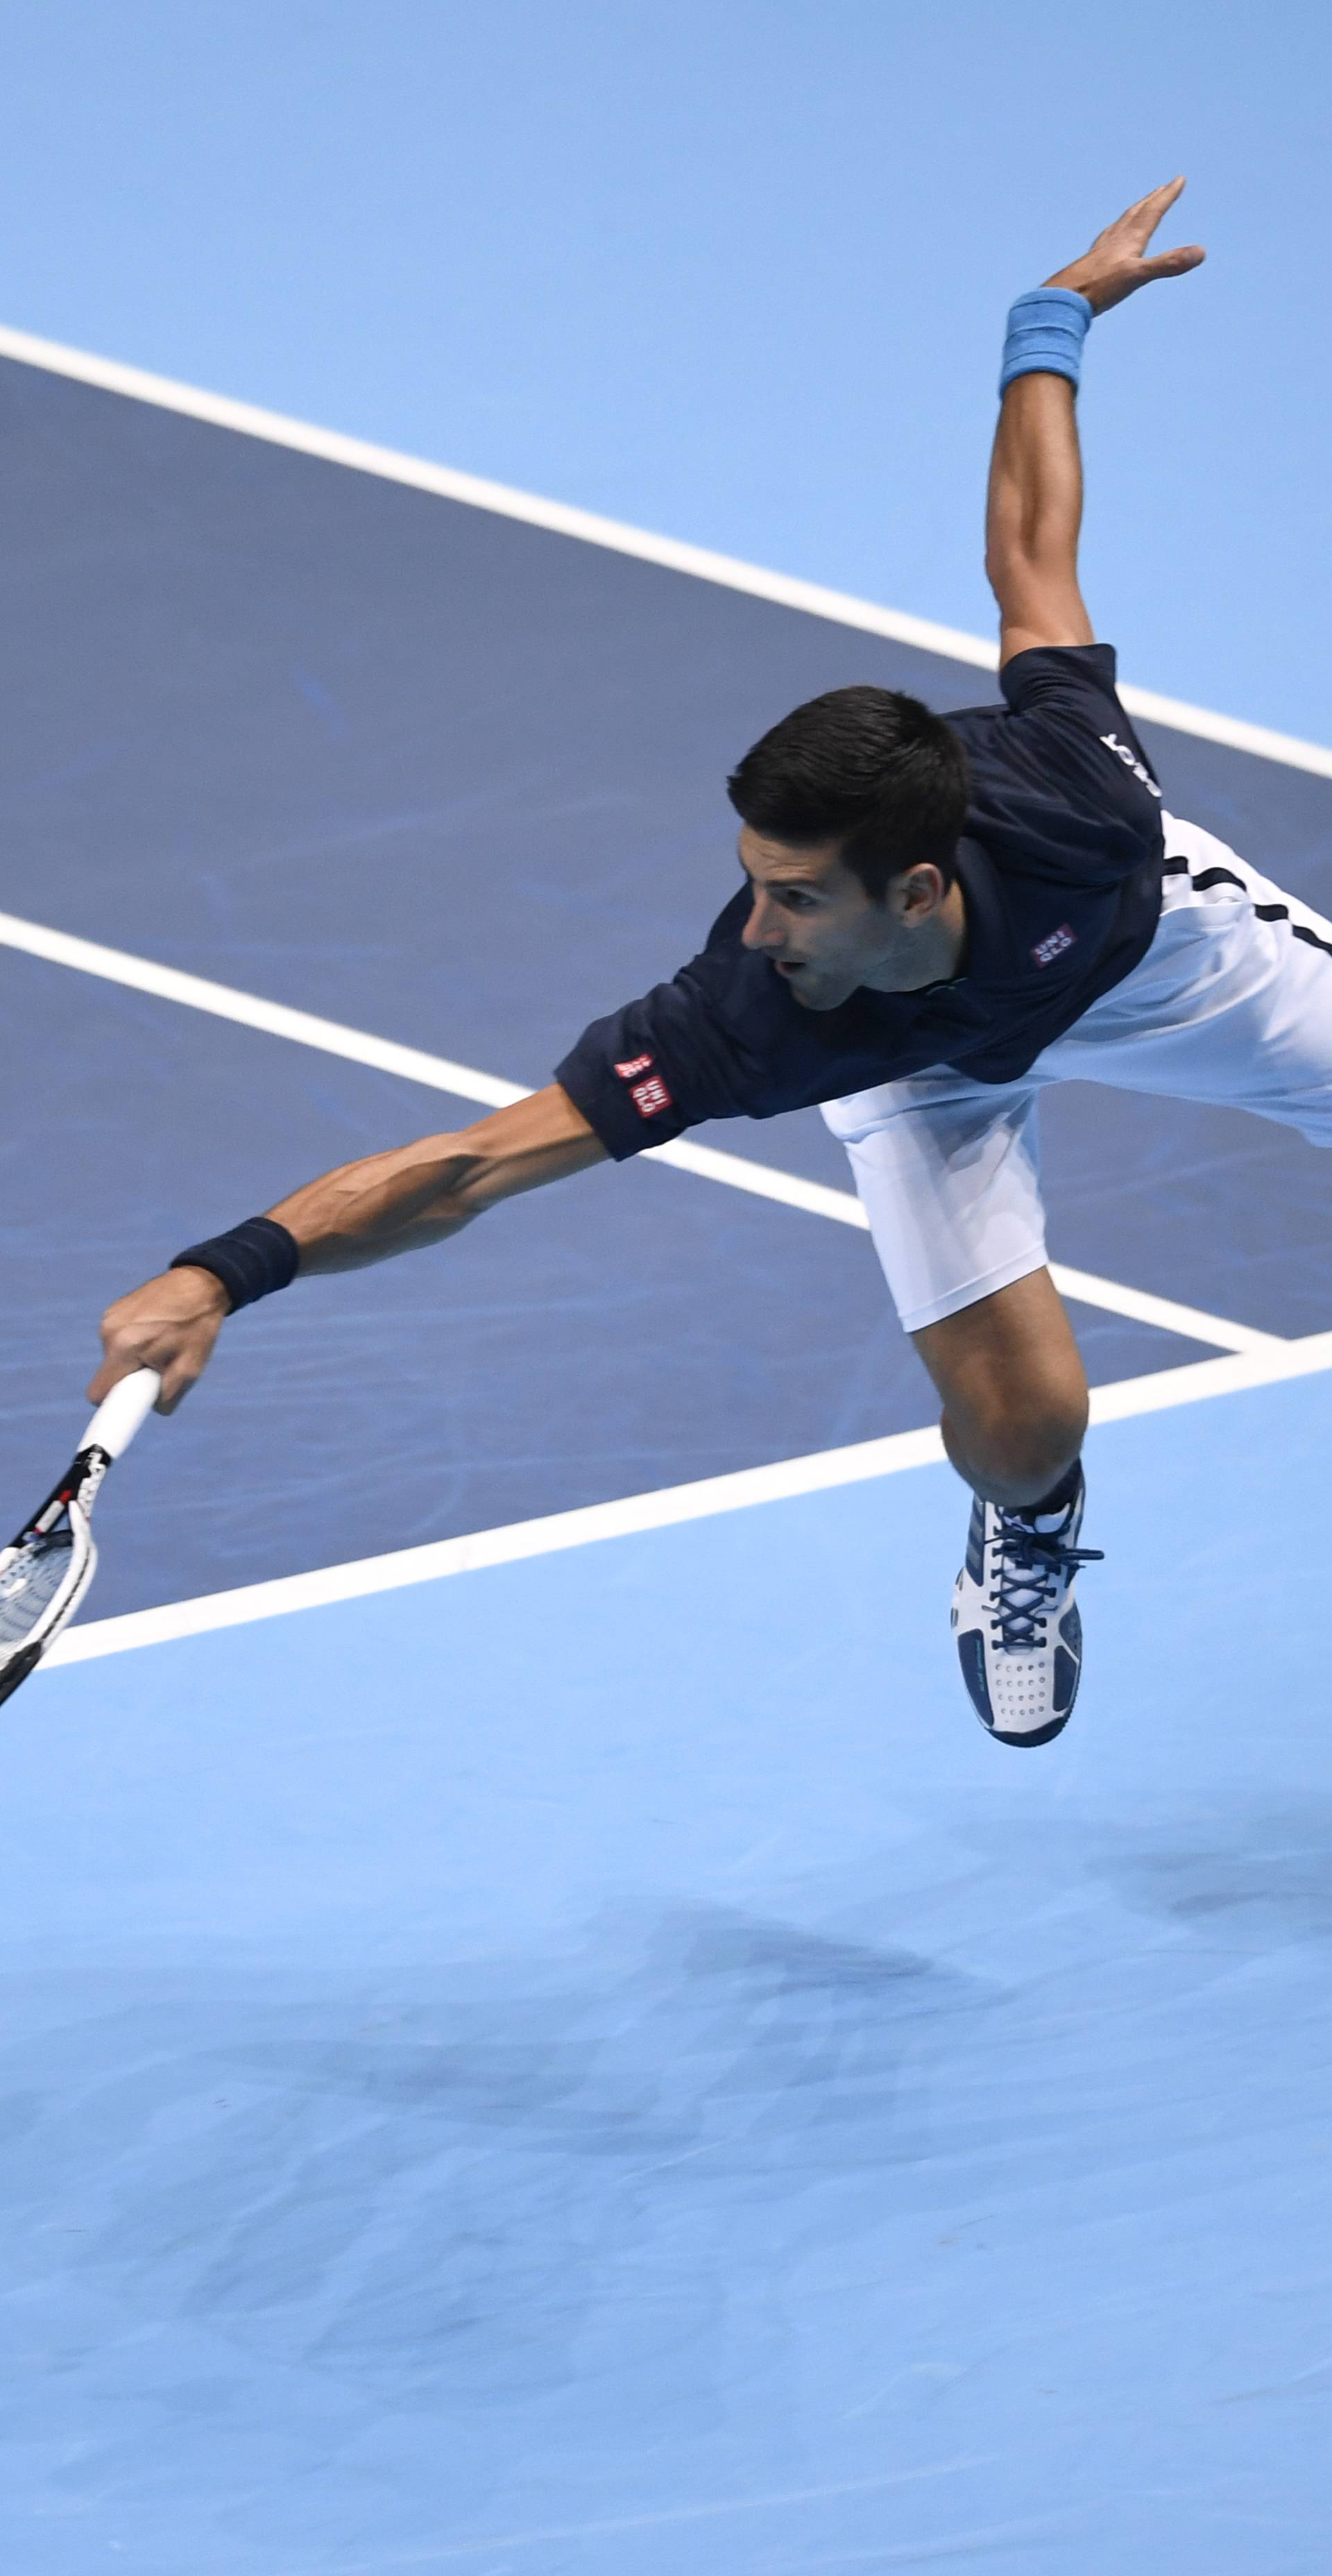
x=1046, y=330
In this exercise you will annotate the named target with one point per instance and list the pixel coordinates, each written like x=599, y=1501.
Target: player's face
x=825, y=936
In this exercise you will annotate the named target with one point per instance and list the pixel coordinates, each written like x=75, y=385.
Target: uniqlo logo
x=1047, y=950
x=636, y=1064
x=648, y=1097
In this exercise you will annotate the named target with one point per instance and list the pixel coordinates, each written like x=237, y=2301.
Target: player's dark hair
x=870, y=768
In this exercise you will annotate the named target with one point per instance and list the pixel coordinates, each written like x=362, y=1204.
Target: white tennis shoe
x=1019, y=1637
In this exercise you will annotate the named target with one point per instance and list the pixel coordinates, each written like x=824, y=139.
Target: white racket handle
x=129, y=1403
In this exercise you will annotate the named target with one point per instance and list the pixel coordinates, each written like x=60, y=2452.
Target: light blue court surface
x=597, y=2067
x=738, y=273
x=599, y=2064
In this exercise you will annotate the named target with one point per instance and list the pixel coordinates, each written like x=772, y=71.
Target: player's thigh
x=948, y=1174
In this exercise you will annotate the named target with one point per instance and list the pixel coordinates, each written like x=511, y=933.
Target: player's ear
x=918, y=892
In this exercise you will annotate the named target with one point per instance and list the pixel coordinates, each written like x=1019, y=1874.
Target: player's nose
x=764, y=929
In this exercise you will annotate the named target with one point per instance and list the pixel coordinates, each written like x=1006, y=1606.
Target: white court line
x=1164, y=1312
x=219, y=412
x=440, y=1073
x=665, y=1509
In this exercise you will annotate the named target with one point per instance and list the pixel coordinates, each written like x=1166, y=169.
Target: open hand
x=169, y=1325
x=1115, y=266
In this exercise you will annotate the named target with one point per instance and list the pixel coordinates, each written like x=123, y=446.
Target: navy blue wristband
x=252, y=1261
x=1046, y=329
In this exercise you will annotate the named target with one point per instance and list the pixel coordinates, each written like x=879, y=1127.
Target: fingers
x=176, y=1385
x=108, y=1375
x=1157, y=202
x=177, y=1374
x=1175, y=263
x=1139, y=221
x=1117, y=265
x=1142, y=219
x=121, y=1360
x=169, y=1325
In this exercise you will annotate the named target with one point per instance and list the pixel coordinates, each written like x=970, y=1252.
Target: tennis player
x=940, y=916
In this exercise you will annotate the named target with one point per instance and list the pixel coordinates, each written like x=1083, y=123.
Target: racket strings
x=30, y=1582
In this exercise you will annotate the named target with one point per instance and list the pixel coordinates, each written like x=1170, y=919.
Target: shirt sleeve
x=655, y=1067
x=1069, y=732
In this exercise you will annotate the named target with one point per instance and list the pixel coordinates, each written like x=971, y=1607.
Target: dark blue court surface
x=598, y=2064
x=458, y=781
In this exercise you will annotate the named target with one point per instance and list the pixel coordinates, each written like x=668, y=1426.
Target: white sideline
x=662, y=1510
x=440, y=1073
x=220, y=412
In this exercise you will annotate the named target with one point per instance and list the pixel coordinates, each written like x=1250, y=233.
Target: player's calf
x=1016, y=1458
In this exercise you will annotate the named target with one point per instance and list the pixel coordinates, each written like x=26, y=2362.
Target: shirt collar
x=988, y=939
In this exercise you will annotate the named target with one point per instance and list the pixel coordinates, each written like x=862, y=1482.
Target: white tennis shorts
x=1232, y=1004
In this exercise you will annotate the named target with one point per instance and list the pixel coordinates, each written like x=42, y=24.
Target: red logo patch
x=649, y=1097
x=1046, y=950
x=636, y=1064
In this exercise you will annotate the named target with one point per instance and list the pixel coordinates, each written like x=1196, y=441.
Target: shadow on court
x=560, y=2069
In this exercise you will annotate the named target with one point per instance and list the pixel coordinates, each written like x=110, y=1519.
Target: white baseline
x=665, y=1509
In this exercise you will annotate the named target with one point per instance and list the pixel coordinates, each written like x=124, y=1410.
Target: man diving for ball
x=940, y=915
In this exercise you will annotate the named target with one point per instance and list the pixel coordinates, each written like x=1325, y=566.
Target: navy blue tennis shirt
x=1060, y=867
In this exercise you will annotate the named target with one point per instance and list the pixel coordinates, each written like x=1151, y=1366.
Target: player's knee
x=1017, y=1452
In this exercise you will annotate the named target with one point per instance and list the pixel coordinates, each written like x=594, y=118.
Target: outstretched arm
x=1034, y=512
x=364, y=1212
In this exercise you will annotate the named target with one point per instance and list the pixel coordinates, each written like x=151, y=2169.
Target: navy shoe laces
x=1031, y=1564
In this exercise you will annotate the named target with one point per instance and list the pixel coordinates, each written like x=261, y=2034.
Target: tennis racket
x=47, y=1570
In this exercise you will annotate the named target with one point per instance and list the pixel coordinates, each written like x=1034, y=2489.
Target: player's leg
x=1232, y=1005
x=1014, y=1390
x=947, y=1173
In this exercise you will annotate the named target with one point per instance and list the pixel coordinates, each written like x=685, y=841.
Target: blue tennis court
x=574, y=2052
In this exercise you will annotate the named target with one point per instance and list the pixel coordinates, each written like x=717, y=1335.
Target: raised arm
x=1034, y=511
x=363, y=1212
